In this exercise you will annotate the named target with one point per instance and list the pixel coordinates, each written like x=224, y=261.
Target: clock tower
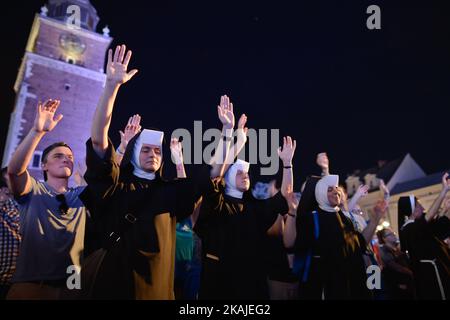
x=64, y=59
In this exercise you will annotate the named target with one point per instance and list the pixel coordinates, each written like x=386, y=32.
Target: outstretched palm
x=242, y=129
x=242, y=122
x=45, y=120
x=322, y=160
x=362, y=190
x=225, y=112
x=379, y=211
x=287, y=153
x=177, y=151
x=132, y=128
x=446, y=182
x=116, y=69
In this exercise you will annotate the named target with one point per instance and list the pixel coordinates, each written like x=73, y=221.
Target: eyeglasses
x=63, y=207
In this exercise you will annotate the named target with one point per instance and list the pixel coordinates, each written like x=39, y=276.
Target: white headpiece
x=230, y=178
x=151, y=137
x=322, y=192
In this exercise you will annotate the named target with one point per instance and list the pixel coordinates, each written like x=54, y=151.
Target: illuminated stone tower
x=65, y=62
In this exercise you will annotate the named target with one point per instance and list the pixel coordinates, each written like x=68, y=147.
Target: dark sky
x=310, y=68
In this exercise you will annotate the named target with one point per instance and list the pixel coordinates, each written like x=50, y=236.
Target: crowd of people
x=132, y=234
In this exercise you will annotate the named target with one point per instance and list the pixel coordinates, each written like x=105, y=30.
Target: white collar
x=138, y=172
x=232, y=192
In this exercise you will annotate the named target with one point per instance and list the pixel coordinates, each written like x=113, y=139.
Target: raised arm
x=78, y=175
x=286, y=155
x=324, y=163
x=241, y=135
x=45, y=121
x=360, y=193
x=132, y=128
x=379, y=211
x=226, y=116
x=290, y=229
x=446, y=209
x=116, y=75
x=385, y=191
x=437, y=203
x=176, y=150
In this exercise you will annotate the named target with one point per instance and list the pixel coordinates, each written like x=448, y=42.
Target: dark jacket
x=143, y=214
x=329, y=252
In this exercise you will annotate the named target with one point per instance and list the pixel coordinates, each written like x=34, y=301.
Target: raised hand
x=379, y=211
x=225, y=112
x=383, y=187
x=242, y=129
x=287, y=152
x=45, y=120
x=242, y=122
x=116, y=69
x=322, y=161
x=177, y=151
x=132, y=128
x=78, y=176
x=446, y=182
x=362, y=191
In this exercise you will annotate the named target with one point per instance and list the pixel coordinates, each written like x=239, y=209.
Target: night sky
x=310, y=68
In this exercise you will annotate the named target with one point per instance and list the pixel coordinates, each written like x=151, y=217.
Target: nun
x=133, y=218
x=329, y=251
x=133, y=209
x=232, y=225
x=430, y=256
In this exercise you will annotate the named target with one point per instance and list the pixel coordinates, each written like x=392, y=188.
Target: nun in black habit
x=430, y=256
x=133, y=218
x=232, y=225
x=329, y=251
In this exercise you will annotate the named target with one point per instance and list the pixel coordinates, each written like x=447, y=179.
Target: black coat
x=335, y=250
x=233, y=233
x=141, y=264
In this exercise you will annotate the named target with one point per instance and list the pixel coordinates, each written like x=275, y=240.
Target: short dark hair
x=47, y=150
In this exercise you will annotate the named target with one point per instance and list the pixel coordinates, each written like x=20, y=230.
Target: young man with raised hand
x=52, y=215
